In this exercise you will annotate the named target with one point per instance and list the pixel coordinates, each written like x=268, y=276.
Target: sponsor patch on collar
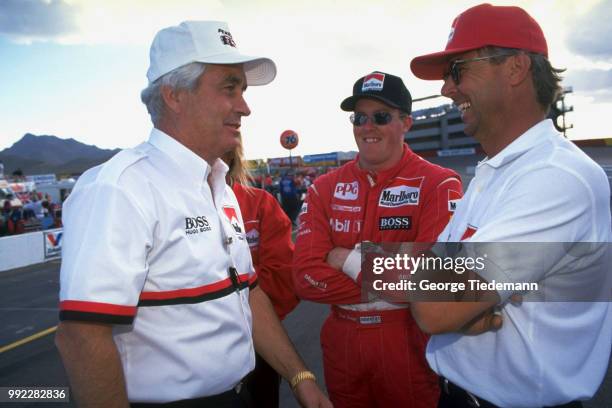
x=373, y=82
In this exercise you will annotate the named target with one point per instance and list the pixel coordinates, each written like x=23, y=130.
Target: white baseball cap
x=208, y=42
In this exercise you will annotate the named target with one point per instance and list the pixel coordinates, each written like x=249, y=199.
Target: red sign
x=289, y=139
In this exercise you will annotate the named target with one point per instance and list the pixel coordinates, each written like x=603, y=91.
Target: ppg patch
x=373, y=82
x=347, y=191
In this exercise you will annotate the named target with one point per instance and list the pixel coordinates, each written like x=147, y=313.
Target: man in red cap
x=373, y=351
x=534, y=187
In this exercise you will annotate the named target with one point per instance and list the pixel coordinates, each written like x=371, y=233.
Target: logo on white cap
x=373, y=82
x=226, y=38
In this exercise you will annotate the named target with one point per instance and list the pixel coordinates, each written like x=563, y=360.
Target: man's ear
x=407, y=121
x=519, y=68
x=172, y=98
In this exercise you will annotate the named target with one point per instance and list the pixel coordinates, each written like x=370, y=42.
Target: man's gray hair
x=181, y=78
x=546, y=78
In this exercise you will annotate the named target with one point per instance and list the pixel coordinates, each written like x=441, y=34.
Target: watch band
x=301, y=376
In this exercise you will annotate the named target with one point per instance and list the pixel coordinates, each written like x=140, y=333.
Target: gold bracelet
x=301, y=376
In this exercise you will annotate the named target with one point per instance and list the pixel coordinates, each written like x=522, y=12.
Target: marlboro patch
x=373, y=82
x=230, y=212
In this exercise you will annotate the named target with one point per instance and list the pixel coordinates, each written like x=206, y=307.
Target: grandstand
x=438, y=128
x=437, y=135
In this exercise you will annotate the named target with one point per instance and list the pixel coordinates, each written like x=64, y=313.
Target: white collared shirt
x=540, y=188
x=147, y=248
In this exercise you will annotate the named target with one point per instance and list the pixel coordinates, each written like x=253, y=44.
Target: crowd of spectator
x=37, y=213
x=289, y=188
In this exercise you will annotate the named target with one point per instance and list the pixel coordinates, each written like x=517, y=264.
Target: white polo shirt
x=540, y=188
x=148, y=246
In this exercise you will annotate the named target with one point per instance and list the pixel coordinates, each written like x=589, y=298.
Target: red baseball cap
x=481, y=26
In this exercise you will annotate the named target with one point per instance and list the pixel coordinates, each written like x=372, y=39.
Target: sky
x=75, y=68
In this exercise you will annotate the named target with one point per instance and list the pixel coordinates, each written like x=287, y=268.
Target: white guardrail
x=17, y=251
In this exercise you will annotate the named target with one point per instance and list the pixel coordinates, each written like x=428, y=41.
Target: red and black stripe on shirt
x=120, y=314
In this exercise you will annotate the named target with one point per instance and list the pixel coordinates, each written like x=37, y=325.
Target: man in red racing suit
x=373, y=352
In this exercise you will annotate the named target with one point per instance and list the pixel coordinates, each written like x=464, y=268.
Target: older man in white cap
x=158, y=302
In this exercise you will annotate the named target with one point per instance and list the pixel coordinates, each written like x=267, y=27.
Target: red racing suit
x=268, y=232
x=411, y=202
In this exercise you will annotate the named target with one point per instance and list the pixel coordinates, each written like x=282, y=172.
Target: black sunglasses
x=378, y=118
x=455, y=71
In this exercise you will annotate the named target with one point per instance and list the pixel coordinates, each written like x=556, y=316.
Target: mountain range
x=49, y=154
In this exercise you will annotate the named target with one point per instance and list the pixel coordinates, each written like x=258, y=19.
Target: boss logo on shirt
x=394, y=223
x=347, y=191
x=399, y=196
x=195, y=225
